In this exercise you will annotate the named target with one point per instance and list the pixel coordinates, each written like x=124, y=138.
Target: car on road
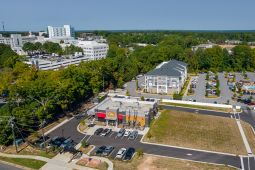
x=105, y=132
x=98, y=131
x=121, y=153
x=121, y=132
x=127, y=133
x=129, y=154
x=108, y=150
x=100, y=150
x=133, y=135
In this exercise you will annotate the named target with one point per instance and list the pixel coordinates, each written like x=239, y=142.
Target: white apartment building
x=61, y=32
x=167, y=78
x=202, y=46
x=93, y=49
x=14, y=40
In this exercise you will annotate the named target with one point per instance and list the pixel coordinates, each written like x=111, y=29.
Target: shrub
x=142, y=98
x=149, y=135
x=139, y=152
x=84, y=144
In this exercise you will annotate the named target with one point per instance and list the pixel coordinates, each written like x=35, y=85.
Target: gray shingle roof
x=171, y=68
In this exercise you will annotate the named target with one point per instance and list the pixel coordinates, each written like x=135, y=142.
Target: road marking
x=88, y=138
x=111, y=134
x=111, y=152
x=189, y=154
x=242, y=165
x=122, y=137
x=249, y=164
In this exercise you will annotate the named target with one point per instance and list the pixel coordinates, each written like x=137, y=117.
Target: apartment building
x=15, y=40
x=61, y=32
x=167, y=78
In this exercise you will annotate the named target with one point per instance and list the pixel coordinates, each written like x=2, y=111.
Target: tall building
x=61, y=32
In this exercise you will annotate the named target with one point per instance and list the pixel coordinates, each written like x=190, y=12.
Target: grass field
x=197, y=131
x=29, y=163
x=198, y=107
x=155, y=163
x=249, y=135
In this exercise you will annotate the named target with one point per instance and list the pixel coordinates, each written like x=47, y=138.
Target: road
x=8, y=167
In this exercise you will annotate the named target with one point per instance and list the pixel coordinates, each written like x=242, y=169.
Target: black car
x=129, y=154
x=98, y=131
x=100, y=150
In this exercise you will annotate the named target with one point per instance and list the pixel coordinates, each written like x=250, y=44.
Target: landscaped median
x=24, y=162
x=190, y=130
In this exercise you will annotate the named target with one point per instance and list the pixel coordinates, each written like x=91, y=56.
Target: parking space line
x=88, y=138
x=242, y=165
x=111, y=153
x=122, y=137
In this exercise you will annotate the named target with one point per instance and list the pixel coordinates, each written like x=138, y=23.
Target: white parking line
x=111, y=134
x=242, y=165
x=189, y=154
x=122, y=137
x=88, y=139
x=111, y=153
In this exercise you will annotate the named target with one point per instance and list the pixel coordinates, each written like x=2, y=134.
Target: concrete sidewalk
x=245, y=141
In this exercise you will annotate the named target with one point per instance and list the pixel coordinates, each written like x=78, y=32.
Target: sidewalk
x=245, y=141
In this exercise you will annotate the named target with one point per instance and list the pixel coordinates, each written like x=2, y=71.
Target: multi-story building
x=167, y=78
x=93, y=49
x=61, y=32
x=14, y=40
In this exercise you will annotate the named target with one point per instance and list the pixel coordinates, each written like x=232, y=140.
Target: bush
x=84, y=144
x=142, y=98
x=149, y=135
x=177, y=96
x=139, y=152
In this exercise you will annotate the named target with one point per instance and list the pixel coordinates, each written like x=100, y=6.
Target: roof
x=171, y=68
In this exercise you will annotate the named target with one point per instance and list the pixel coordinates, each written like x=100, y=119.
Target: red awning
x=120, y=116
x=101, y=115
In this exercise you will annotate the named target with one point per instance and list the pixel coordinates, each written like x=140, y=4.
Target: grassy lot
x=28, y=150
x=29, y=163
x=197, y=131
x=185, y=86
x=153, y=163
x=85, y=150
x=199, y=107
x=249, y=135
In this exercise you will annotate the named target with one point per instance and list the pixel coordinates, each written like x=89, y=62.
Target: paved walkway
x=245, y=141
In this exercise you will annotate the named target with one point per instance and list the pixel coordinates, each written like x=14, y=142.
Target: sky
x=36, y=15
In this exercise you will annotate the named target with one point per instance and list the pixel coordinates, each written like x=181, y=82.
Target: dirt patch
x=147, y=163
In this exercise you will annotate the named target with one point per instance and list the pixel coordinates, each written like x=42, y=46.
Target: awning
x=101, y=115
x=120, y=116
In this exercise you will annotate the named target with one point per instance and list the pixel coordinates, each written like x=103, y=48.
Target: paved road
x=69, y=130
x=8, y=167
x=165, y=150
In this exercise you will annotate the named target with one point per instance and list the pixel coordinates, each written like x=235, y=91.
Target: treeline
x=50, y=47
x=37, y=95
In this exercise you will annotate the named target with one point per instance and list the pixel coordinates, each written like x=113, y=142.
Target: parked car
x=127, y=133
x=40, y=142
x=133, y=135
x=66, y=143
x=121, y=132
x=100, y=150
x=98, y=131
x=57, y=141
x=129, y=154
x=105, y=132
x=121, y=153
x=108, y=150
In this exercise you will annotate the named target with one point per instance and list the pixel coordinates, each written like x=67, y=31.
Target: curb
x=57, y=126
x=199, y=108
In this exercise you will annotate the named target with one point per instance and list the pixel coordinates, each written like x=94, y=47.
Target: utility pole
x=103, y=82
x=3, y=26
x=13, y=133
x=44, y=142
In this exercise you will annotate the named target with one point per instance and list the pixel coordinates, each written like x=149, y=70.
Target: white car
x=121, y=153
x=127, y=133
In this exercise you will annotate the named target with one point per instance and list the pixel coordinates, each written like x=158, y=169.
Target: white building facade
x=167, y=78
x=61, y=32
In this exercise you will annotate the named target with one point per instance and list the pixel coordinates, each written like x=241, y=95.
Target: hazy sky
x=129, y=14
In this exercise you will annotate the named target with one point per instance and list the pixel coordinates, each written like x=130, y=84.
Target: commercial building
x=55, y=63
x=61, y=32
x=126, y=111
x=167, y=78
x=202, y=46
x=93, y=49
x=14, y=40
